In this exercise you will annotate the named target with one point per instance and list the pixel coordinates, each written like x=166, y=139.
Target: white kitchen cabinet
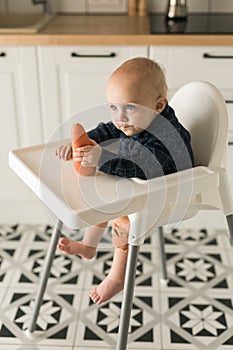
x=20, y=121
x=189, y=63
x=73, y=78
x=184, y=64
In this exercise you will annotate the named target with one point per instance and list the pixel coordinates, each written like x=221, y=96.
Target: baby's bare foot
x=70, y=247
x=106, y=290
x=114, y=282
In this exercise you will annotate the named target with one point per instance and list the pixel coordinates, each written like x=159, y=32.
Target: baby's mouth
x=124, y=126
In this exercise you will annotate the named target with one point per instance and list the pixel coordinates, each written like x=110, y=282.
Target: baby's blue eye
x=113, y=108
x=130, y=107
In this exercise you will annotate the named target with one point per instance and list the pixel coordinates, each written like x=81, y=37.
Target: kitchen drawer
x=8, y=55
x=185, y=64
x=90, y=54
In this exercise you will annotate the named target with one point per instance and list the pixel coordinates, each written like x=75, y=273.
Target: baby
x=148, y=132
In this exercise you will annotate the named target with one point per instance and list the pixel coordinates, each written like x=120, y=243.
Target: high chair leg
x=162, y=254
x=45, y=275
x=127, y=297
x=230, y=226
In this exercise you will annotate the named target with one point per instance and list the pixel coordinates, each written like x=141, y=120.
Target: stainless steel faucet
x=177, y=9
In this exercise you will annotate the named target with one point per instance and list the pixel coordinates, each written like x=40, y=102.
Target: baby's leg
x=87, y=247
x=114, y=282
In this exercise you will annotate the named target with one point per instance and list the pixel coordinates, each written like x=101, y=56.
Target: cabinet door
x=186, y=64
x=74, y=78
x=20, y=117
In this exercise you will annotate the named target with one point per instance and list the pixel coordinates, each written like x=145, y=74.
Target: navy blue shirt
x=163, y=148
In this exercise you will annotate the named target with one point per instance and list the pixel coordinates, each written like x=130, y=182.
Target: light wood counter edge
x=127, y=39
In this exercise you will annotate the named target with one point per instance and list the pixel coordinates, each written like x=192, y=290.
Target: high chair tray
x=76, y=200
x=79, y=201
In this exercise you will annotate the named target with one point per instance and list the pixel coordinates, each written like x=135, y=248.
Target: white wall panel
x=222, y=6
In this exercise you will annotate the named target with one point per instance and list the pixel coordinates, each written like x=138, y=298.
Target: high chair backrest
x=201, y=109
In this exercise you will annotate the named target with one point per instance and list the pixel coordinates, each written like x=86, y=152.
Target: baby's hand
x=64, y=152
x=88, y=155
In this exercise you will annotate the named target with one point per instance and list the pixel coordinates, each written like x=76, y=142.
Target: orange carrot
x=79, y=138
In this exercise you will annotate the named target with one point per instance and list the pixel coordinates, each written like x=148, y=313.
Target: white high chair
x=201, y=108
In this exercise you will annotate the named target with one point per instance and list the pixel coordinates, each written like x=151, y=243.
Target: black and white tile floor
x=194, y=310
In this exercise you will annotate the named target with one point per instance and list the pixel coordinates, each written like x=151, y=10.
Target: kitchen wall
x=112, y=6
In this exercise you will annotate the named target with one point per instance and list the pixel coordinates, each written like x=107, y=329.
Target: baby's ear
x=160, y=104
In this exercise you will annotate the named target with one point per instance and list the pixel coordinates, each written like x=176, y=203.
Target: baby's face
x=131, y=118
x=132, y=108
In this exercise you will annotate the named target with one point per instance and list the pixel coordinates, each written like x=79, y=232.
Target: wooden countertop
x=107, y=30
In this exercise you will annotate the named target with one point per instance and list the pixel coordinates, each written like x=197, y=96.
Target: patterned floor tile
x=65, y=269
x=204, y=266
x=194, y=238
x=56, y=321
x=25, y=234
x=13, y=233
x=98, y=325
x=196, y=322
x=3, y=291
x=193, y=310
x=10, y=255
x=197, y=271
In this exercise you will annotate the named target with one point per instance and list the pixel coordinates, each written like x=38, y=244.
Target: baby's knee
x=120, y=233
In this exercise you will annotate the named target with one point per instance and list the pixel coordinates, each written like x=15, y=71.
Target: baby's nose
x=122, y=117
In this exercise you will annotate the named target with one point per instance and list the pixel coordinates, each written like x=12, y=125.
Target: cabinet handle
x=230, y=143
x=2, y=54
x=229, y=101
x=108, y=55
x=208, y=55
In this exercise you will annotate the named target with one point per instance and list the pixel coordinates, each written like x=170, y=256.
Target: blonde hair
x=147, y=71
